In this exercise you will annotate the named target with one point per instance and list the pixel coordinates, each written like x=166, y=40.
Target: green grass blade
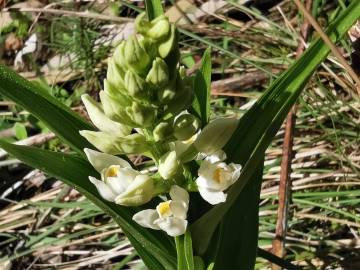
x=259, y=125
x=202, y=88
x=56, y=116
x=154, y=247
x=153, y=8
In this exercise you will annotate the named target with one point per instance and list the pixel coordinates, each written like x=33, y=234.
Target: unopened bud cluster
x=143, y=109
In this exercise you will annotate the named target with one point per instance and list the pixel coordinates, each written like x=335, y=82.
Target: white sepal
x=100, y=161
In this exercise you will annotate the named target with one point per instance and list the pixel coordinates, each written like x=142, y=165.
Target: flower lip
x=112, y=171
x=164, y=209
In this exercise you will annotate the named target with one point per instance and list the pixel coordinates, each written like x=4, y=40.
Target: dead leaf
x=13, y=43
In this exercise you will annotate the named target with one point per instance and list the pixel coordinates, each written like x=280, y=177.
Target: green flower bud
x=140, y=191
x=185, y=126
x=119, y=58
x=110, y=144
x=165, y=47
x=157, y=29
x=169, y=165
x=114, y=108
x=141, y=115
x=115, y=75
x=215, y=135
x=100, y=120
x=135, y=56
x=162, y=131
x=168, y=93
x=119, y=94
x=135, y=85
x=158, y=74
x=142, y=25
x=160, y=28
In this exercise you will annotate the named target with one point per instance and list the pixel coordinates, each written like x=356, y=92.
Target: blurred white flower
x=119, y=183
x=215, y=176
x=169, y=216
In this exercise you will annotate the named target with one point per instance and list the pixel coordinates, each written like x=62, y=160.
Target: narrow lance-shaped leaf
x=237, y=243
x=154, y=247
x=259, y=125
x=56, y=116
x=202, y=88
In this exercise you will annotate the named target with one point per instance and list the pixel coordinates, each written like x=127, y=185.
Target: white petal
x=127, y=175
x=236, y=173
x=215, y=135
x=206, y=169
x=146, y=218
x=179, y=194
x=101, y=161
x=172, y=226
x=209, y=182
x=140, y=191
x=179, y=209
x=104, y=190
x=100, y=120
x=219, y=155
x=116, y=184
x=212, y=196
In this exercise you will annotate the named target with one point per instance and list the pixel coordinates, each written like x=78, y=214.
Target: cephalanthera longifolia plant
x=199, y=210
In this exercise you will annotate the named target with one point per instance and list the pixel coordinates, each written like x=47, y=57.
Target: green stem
x=153, y=9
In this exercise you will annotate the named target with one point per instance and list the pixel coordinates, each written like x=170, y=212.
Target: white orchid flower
x=119, y=183
x=215, y=135
x=215, y=176
x=169, y=216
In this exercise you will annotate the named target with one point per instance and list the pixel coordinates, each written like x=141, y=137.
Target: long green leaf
x=202, y=88
x=237, y=246
x=56, y=116
x=153, y=8
x=153, y=247
x=259, y=125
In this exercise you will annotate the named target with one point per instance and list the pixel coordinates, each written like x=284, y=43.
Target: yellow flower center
x=112, y=171
x=218, y=174
x=164, y=209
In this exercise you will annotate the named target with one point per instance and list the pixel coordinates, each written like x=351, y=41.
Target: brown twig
x=278, y=245
x=329, y=43
x=33, y=140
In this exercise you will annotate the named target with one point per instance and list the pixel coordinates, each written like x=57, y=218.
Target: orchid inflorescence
x=145, y=109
